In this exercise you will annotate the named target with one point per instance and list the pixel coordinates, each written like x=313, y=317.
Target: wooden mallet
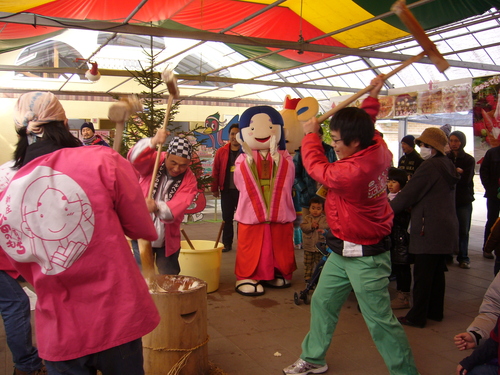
x=219, y=234
x=173, y=90
x=430, y=49
x=119, y=112
x=187, y=239
x=145, y=248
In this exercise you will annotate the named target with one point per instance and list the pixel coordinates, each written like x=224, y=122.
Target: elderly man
x=90, y=138
x=174, y=189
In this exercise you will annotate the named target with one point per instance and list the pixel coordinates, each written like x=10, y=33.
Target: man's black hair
x=353, y=124
x=235, y=125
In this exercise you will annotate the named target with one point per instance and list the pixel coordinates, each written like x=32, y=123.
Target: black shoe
x=226, y=249
x=406, y=322
x=488, y=255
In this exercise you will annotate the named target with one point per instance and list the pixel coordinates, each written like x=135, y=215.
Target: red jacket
x=219, y=168
x=356, y=206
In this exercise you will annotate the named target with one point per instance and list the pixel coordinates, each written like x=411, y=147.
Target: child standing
x=400, y=238
x=313, y=227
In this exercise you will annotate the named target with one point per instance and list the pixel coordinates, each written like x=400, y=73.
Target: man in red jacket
x=360, y=219
x=223, y=184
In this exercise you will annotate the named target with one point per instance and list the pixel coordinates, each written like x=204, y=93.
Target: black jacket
x=410, y=162
x=431, y=195
x=465, y=186
x=490, y=172
x=400, y=239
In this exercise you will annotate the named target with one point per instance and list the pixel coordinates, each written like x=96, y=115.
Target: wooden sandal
x=252, y=294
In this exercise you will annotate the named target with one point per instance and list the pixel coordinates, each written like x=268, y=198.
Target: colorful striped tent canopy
x=303, y=22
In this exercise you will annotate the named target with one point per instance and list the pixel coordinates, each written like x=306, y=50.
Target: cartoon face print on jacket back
x=54, y=224
x=53, y=215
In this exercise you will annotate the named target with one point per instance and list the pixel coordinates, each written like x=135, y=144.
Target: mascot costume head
x=258, y=124
x=294, y=113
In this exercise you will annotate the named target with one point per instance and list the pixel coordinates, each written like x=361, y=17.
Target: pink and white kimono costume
x=63, y=220
x=265, y=225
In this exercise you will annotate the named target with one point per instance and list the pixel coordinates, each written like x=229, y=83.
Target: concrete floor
x=261, y=335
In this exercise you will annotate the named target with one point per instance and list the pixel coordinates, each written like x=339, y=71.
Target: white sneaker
x=301, y=367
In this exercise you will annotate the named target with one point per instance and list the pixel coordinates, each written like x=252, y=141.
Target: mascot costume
x=264, y=175
x=295, y=112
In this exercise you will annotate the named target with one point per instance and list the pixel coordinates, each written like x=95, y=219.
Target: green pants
x=369, y=277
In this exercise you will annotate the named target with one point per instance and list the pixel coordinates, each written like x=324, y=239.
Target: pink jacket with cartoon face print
x=64, y=217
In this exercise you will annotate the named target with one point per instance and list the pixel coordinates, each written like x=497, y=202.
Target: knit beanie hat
x=461, y=136
x=447, y=129
x=398, y=175
x=88, y=125
x=180, y=147
x=434, y=137
x=409, y=140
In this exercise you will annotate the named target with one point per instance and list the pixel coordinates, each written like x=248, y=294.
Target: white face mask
x=425, y=153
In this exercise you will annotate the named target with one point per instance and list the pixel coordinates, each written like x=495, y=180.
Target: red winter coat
x=219, y=168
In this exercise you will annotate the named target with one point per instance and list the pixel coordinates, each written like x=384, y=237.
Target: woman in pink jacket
x=63, y=218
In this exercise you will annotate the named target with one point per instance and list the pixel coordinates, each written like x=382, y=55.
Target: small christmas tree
x=146, y=123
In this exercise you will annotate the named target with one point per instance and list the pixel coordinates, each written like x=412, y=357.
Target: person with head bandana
x=175, y=187
x=65, y=216
x=90, y=138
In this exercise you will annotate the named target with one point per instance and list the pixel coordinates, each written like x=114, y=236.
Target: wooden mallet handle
x=368, y=88
x=187, y=239
x=430, y=49
x=147, y=260
x=173, y=90
x=407, y=17
x=219, y=234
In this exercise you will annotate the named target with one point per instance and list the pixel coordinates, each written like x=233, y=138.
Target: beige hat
x=434, y=137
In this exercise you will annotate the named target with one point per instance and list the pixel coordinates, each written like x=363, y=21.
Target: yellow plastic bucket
x=202, y=263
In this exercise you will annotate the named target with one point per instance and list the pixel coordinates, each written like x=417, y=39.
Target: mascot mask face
x=294, y=113
x=258, y=124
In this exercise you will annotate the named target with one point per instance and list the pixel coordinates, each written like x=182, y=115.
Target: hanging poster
x=386, y=107
x=406, y=105
x=457, y=98
x=430, y=101
x=486, y=113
